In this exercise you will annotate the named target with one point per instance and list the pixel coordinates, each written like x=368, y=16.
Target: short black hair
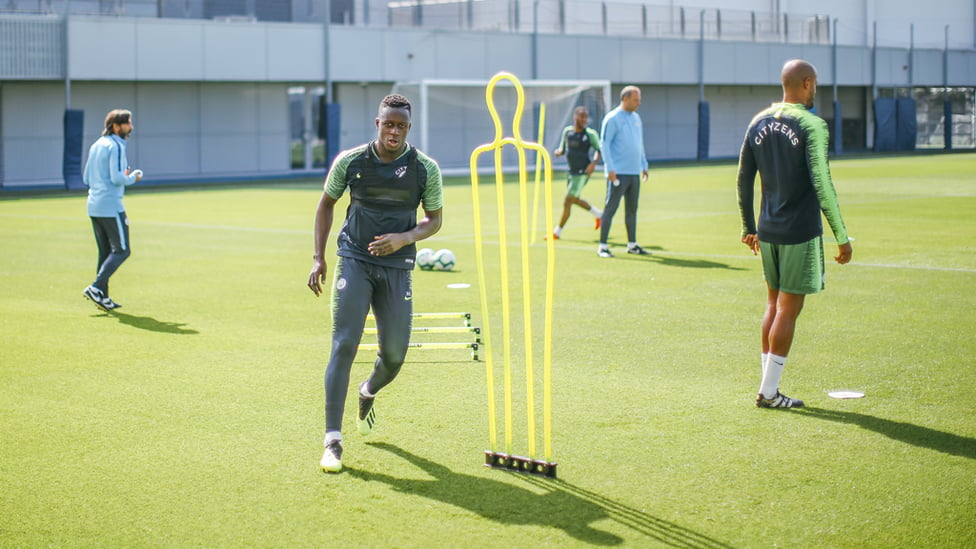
x=395, y=101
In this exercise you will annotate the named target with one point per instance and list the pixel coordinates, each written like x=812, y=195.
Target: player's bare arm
x=324, y=214
x=386, y=244
x=592, y=165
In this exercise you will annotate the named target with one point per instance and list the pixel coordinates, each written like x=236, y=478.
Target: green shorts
x=794, y=268
x=575, y=184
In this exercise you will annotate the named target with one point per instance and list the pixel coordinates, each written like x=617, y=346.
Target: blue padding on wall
x=74, y=125
x=884, y=124
x=333, y=116
x=837, y=139
x=704, y=127
x=947, y=123
x=907, y=131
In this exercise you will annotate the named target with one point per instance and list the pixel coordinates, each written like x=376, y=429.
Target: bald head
x=799, y=82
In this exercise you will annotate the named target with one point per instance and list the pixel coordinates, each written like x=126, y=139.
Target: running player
x=387, y=181
x=575, y=143
x=787, y=145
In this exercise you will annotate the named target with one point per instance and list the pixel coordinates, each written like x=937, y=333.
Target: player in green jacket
x=787, y=145
x=575, y=143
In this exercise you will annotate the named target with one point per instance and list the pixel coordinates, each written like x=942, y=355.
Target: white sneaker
x=332, y=457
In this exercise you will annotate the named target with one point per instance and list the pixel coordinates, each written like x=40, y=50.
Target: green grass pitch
x=193, y=416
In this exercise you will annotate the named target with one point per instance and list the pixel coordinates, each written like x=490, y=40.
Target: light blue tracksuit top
x=622, y=143
x=105, y=176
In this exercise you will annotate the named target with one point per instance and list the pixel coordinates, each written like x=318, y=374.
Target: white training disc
x=845, y=394
x=458, y=285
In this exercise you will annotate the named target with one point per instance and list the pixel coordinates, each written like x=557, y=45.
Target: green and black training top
x=787, y=145
x=383, y=199
x=577, y=147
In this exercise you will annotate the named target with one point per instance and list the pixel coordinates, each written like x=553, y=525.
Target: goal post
x=449, y=115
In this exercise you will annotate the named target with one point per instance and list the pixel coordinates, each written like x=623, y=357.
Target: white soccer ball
x=444, y=260
x=425, y=259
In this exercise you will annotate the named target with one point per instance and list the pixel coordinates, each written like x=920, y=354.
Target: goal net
x=451, y=117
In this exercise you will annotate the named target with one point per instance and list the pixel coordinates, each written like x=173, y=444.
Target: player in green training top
x=387, y=180
x=576, y=142
x=787, y=145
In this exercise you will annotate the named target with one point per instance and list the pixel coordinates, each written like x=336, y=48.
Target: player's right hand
x=317, y=277
x=752, y=241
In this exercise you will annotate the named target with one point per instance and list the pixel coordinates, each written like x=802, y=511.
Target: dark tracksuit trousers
x=358, y=286
x=629, y=190
x=112, y=238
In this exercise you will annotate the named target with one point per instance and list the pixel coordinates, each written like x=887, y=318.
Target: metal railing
x=569, y=17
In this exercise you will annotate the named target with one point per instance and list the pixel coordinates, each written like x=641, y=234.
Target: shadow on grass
x=151, y=324
x=620, y=252
x=915, y=435
x=692, y=263
x=561, y=505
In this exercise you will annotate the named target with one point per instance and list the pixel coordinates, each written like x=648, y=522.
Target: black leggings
x=358, y=286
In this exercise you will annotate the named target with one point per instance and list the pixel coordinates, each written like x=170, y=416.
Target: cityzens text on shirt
x=776, y=127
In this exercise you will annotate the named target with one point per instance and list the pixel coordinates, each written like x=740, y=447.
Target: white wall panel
x=456, y=50
x=505, y=52
x=168, y=128
x=227, y=108
x=853, y=67
x=357, y=54
x=295, y=52
x=926, y=66
x=235, y=51
x=168, y=49
x=679, y=62
x=273, y=127
x=32, y=132
x=102, y=48
x=167, y=156
x=228, y=153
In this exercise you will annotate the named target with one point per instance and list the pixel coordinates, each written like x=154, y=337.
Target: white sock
x=631, y=245
x=765, y=357
x=557, y=230
x=602, y=247
x=772, y=375
x=332, y=435
x=364, y=391
x=596, y=212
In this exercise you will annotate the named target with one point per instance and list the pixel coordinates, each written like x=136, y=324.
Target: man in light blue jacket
x=107, y=174
x=624, y=159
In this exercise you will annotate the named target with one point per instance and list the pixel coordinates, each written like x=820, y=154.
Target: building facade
x=231, y=89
